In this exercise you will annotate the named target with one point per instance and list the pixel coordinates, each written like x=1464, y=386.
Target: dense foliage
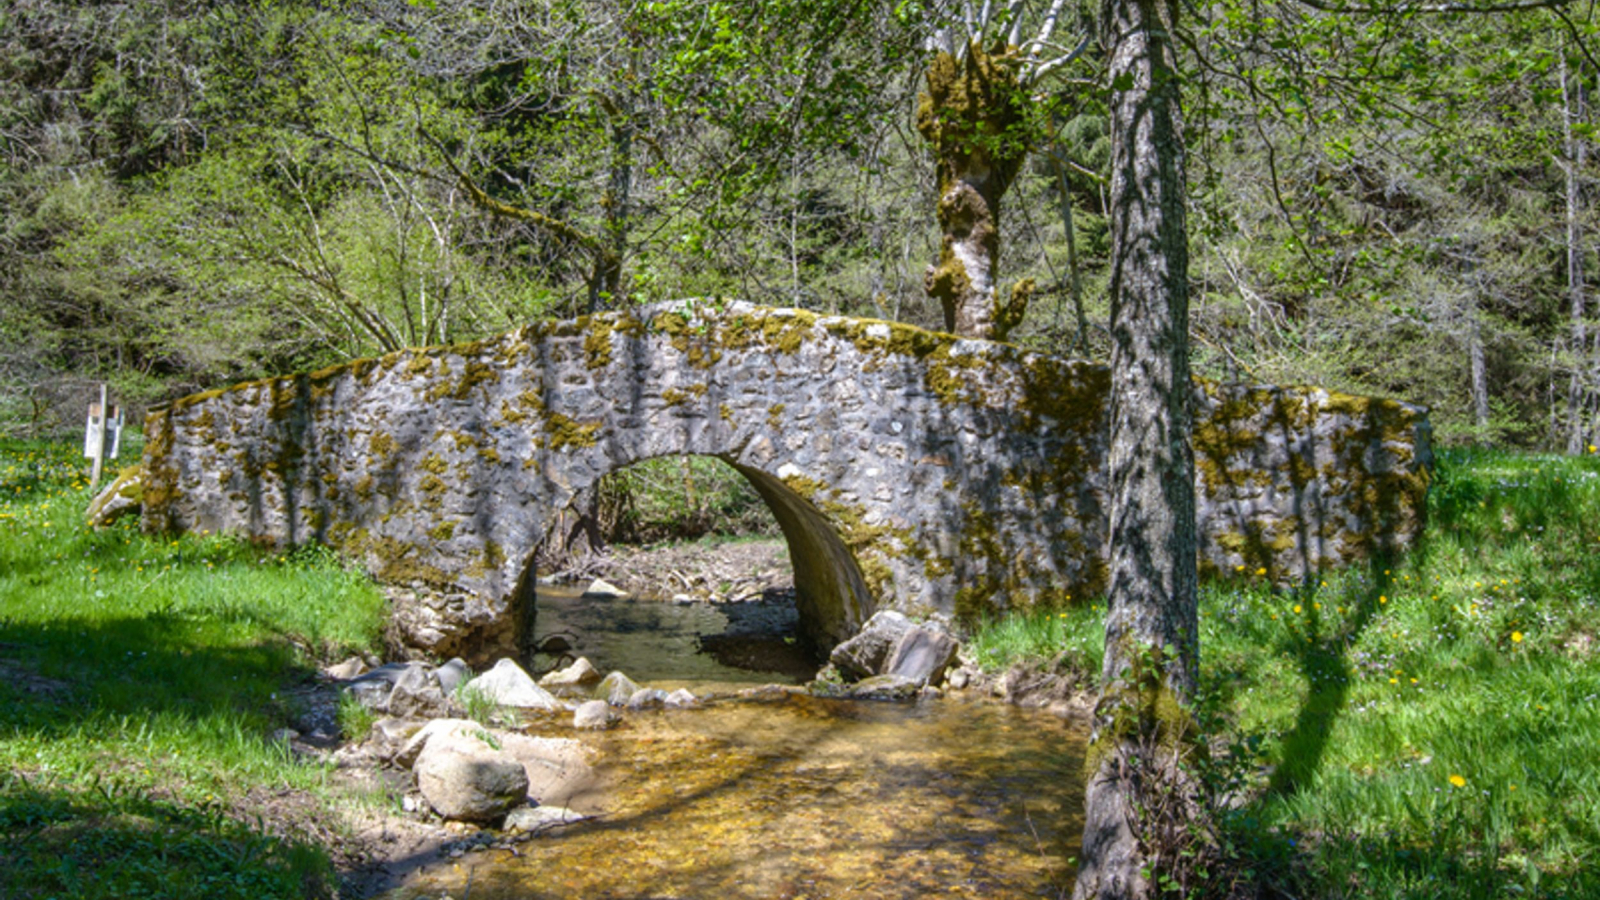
x=193, y=192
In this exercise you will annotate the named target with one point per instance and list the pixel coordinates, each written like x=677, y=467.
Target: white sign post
x=105, y=421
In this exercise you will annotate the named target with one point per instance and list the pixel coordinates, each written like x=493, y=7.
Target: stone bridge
x=906, y=468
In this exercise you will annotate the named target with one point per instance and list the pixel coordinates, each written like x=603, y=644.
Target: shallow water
x=661, y=642
x=777, y=794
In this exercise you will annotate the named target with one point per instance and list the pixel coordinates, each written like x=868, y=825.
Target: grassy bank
x=140, y=679
x=1425, y=728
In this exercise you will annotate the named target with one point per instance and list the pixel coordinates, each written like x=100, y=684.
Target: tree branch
x=495, y=207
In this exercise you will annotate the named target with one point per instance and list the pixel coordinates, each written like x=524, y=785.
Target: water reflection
x=681, y=644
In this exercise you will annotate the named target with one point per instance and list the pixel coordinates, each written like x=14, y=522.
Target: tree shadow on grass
x=1320, y=647
x=106, y=839
x=91, y=715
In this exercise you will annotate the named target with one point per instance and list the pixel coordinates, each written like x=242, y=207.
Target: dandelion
x=1458, y=781
x=1516, y=637
x=1297, y=609
x=1382, y=599
x=1394, y=681
x=1259, y=572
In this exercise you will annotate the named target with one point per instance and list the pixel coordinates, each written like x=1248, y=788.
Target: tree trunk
x=1479, y=372
x=1139, y=800
x=606, y=281
x=1080, y=343
x=972, y=115
x=1572, y=111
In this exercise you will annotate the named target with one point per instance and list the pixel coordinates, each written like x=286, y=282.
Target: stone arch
x=831, y=595
x=914, y=470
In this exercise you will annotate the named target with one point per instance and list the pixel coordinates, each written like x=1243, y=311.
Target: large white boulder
x=508, y=685
x=464, y=777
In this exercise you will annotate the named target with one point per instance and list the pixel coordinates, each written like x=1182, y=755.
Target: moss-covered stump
x=907, y=468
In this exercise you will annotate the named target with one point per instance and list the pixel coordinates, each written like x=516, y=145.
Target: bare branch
x=1014, y=10
x=1049, y=25
x=492, y=206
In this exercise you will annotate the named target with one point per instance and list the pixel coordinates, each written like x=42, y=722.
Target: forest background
x=194, y=192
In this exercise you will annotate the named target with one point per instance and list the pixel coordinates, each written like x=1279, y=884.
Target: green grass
x=140, y=677
x=1476, y=656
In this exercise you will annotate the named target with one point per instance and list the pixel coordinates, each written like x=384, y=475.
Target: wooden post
x=100, y=438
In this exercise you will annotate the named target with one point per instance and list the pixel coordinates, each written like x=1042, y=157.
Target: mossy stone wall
x=907, y=468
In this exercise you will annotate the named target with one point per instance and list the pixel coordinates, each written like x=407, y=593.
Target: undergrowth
x=1421, y=728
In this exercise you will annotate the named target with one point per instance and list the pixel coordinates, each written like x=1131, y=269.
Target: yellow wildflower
x=1458, y=781
x=1516, y=637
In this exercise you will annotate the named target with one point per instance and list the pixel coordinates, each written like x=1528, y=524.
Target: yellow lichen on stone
x=787, y=332
x=597, y=342
x=562, y=432
x=476, y=373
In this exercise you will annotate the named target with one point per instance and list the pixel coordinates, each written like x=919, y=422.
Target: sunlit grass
x=141, y=678
x=1427, y=727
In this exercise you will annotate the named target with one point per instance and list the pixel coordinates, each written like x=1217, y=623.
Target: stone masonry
x=907, y=469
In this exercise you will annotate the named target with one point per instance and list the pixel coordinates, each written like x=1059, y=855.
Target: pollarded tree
x=977, y=115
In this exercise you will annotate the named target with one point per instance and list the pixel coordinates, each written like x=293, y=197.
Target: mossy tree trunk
x=973, y=115
x=1139, y=801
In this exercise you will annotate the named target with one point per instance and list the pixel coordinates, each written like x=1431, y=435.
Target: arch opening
x=782, y=631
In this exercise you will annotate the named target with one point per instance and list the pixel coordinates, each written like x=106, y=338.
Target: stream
x=769, y=793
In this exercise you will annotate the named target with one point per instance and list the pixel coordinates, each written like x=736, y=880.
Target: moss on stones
x=597, y=342
x=562, y=432
x=786, y=333
x=476, y=373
